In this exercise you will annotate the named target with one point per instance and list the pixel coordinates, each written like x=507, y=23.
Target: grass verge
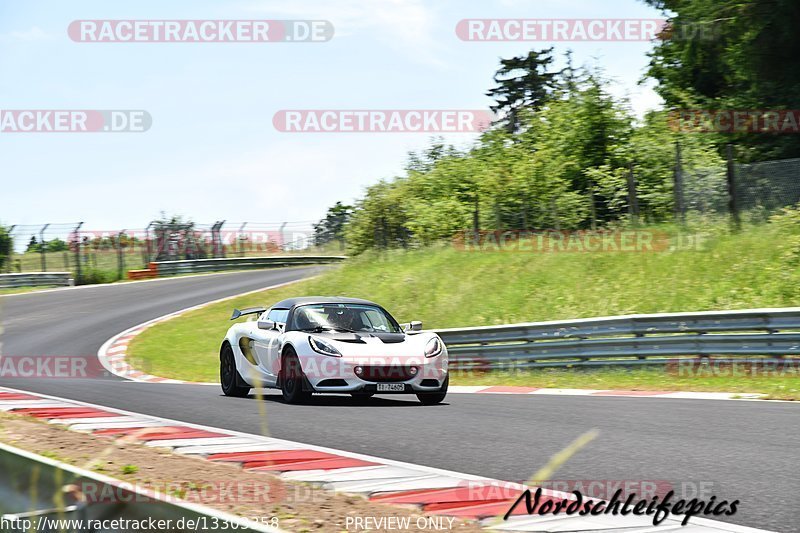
x=22, y=290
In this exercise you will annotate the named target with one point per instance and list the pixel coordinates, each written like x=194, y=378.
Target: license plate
x=391, y=387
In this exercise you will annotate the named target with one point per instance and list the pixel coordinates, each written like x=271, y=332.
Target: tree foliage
x=564, y=167
x=6, y=246
x=523, y=82
x=732, y=54
x=331, y=228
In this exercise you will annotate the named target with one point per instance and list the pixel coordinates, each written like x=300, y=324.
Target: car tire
x=432, y=398
x=293, y=383
x=229, y=377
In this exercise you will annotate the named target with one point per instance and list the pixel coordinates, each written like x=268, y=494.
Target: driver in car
x=344, y=319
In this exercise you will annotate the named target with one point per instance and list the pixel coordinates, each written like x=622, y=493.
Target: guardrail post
x=640, y=357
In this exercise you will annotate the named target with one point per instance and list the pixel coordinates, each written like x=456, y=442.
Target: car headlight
x=323, y=347
x=433, y=348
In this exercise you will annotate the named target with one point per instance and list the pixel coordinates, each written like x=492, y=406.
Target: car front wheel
x=292, y=379
x=432, y=398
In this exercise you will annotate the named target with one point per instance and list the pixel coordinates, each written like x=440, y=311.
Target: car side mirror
x=414, y=325
x=267, y=324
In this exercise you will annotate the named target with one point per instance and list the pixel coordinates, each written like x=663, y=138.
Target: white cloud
x=33, y=34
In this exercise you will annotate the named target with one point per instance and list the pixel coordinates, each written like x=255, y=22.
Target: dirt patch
x=292, y=506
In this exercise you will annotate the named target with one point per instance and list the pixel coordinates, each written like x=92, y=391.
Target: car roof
x=306, y=300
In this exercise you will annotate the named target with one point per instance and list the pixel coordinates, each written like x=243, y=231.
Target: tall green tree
x=331, y=228
x=522, y=82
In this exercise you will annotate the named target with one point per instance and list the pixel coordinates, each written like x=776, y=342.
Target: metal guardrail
x=170, y=268
x=43, y=495
x=632, y=339
x=36, y=279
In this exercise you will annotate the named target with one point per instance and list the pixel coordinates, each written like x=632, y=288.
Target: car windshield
x=344, y=317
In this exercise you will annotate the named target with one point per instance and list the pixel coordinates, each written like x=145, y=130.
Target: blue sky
x=212, y=152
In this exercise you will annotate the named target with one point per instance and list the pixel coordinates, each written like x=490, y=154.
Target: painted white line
x=114, y=425
x=357, y=473
x=234, y=448
x=465, y=389
x=174, y=443
x=375, y=486
x=98, y=420
x=31, y=404
x=566, y=392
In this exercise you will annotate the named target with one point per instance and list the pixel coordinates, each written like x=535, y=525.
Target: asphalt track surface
x=744, y=450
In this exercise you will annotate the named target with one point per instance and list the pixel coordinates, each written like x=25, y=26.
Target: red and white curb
x=432, y=490
x=684, y=395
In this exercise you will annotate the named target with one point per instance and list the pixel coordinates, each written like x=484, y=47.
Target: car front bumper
x=331, y=374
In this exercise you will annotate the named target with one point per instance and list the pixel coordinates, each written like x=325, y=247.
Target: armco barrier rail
x=626, y=340
x=35, y=279
x=170, y=268
x=36, y=492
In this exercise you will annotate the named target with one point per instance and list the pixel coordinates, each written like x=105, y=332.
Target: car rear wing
x=247, y=311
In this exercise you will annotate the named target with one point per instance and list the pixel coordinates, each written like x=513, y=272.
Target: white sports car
x=331, y=344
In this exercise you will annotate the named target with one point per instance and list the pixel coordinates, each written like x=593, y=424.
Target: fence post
x=633, y=200
x=283, y=237
x=219, y=239
x=733, y=207
x=148, y=244
x=42, y=247
x=78, y=253
x=120, y=257
x=241, y=239
x=10, y=257
x=680, y=211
